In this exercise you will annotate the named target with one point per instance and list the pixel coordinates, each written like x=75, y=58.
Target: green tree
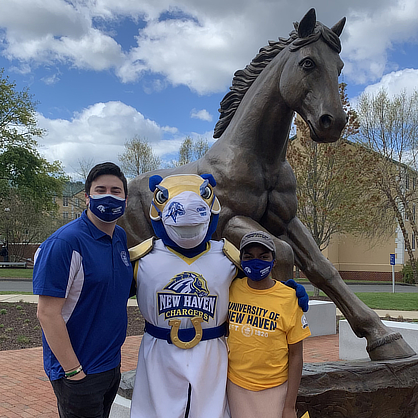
x=27, y=181
x=138, y=157
x=25, y=172
x=186, y=152
x=389, y=130
x=192, y=150
x=18, y=124
x=27, y=185
x=21, y=166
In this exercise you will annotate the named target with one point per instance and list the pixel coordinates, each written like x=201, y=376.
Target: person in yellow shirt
x=266, y=332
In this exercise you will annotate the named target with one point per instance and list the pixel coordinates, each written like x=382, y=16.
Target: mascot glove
x=303, y=298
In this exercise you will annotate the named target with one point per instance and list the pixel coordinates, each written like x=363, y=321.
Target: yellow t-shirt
x=261, y=325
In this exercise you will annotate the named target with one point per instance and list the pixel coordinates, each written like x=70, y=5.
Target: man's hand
x=55, y=331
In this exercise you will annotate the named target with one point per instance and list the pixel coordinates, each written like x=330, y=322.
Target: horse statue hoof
x=391, y=346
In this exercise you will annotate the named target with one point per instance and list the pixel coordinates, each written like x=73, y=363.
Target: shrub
x=407, y=275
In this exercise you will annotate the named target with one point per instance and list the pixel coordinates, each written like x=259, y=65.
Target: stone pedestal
x=361, y=389
x=354, y=348
x=321, y=318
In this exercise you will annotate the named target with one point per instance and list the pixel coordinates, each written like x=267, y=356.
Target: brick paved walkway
x=25, y=392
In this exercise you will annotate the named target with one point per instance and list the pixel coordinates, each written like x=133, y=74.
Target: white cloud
x=396, y=82
x=199, y=45
x=371, y=33
x=48, y=31
x=99, y=133
x=201, y=114
x=184, y=52
x=53, y=79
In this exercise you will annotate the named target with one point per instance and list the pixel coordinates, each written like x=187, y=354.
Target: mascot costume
x=183, y=281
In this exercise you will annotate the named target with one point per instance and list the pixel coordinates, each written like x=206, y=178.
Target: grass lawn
x=392, y=301
x=395, y=301
x=18, y=273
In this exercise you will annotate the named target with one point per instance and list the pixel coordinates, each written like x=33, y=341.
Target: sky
x=105, y=71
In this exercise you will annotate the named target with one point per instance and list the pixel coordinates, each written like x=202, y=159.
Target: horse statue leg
x=382, y=343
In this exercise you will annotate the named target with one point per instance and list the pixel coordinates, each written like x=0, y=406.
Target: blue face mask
x=256, y=269
x=106, y=207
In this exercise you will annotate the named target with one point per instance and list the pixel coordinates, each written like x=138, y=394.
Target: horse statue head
x=303, y=75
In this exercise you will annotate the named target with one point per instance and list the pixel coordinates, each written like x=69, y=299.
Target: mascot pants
x=175, y=383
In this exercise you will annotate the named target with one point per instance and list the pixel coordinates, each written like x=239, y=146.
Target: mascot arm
x=141, y=250
x=303, y=298
x=137, y=252
x=232, y=253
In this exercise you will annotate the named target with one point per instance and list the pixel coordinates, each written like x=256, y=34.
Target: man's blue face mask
x=256, y=269
x=106, y=207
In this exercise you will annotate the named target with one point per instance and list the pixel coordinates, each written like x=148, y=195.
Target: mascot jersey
x=171, y=380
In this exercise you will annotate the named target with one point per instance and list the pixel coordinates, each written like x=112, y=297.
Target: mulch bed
x=19, y=326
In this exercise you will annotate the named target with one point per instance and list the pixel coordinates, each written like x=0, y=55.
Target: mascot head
x=184, y=210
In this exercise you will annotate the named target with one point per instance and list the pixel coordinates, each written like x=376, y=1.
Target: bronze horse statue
x=256, y=185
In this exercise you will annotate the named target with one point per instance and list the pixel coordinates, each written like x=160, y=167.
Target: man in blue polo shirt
x=83, y=277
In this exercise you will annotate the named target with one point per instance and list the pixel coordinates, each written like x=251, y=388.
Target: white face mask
x=186, y=219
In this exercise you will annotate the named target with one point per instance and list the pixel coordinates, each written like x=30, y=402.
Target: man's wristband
x=74, y=372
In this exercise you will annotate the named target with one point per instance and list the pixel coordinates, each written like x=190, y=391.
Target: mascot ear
x=209, y=177
x=153, y=181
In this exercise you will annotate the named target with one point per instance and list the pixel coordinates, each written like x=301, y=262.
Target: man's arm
x=53, y=325
x=295, y=374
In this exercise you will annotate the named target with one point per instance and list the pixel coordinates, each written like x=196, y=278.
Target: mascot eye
x=207, y=193
x=159, y=197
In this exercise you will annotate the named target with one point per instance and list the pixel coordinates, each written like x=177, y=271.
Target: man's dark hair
x=105, y=168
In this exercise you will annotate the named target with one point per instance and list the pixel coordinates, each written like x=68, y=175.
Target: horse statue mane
x=243, y=79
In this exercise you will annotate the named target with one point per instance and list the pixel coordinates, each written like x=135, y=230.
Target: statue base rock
x=361, y=389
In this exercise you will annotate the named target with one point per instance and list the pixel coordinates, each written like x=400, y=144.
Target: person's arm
x=295, y=374
x=55, y=330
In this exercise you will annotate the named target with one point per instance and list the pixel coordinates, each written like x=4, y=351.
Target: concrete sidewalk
x=25, y=391
x=412, y=315
x=34, y=299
